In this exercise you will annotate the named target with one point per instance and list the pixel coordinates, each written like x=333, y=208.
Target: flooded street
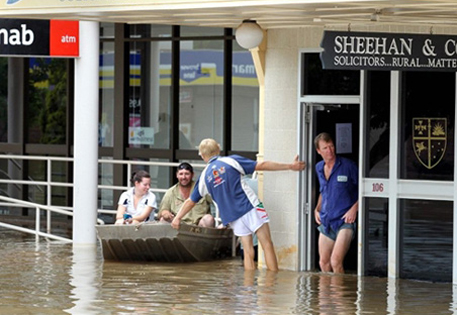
x=52, y=278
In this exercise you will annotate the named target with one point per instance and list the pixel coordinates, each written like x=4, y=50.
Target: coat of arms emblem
x=429, y=140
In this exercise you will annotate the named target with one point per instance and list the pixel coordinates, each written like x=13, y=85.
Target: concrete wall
x=280, y=189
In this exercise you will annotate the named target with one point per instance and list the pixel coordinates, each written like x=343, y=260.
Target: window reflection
x=245, y=101
x=376, y=210
x=149, y=101
x=201, y=31
x=149, y=30
x=106, y=84
x=105, y=171
x=378, y=123
x=318, y=81
x=426, y=240
x=47, y=101
x=428, y=109
x=37, y=171
x=4, y=100
x=201, y=92
x=106, y=30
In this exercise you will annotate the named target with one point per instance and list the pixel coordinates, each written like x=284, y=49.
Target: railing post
x=129, y=173
x=37, y=224
x=48, y=194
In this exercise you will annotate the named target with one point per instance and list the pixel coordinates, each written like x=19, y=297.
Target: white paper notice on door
x=343, y=138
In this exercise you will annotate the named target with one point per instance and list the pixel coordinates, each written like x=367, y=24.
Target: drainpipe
x=85, y=167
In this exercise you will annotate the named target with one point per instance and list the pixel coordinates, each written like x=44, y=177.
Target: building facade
x=164, y=79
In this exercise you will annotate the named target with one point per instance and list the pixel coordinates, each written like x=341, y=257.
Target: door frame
x=306, y=238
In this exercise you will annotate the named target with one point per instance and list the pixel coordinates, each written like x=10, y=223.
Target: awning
x=230, y=13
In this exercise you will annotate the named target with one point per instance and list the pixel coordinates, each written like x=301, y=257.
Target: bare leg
x=248, y=249
x=263, y=234
x=206, y=221
x=326, y=245
x=342, y=244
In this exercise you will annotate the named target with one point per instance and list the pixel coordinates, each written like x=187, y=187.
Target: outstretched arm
x=296, y=165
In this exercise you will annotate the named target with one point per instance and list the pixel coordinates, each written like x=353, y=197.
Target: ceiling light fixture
x=249, y=34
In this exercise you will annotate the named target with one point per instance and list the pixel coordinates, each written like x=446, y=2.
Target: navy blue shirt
x=222, y=179
x=339, y=192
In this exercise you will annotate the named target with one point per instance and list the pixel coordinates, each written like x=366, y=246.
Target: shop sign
x=141, y=135
x=388, y=51
x=41, y=38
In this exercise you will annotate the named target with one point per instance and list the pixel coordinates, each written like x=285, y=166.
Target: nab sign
x=53, y=38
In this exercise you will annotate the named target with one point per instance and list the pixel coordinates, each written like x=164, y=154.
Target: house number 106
x=378, y=187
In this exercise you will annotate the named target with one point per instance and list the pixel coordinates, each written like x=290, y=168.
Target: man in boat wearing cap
x=177, y=194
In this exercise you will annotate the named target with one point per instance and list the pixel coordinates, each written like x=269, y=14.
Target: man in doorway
x=238, y=205
x=176, y=195
x=337, y=206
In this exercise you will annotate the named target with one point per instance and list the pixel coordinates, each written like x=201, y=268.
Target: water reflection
x=334, y=296
x=54, y=278
x=85, y=275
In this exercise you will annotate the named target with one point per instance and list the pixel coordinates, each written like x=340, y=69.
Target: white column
x=86, y=136
x=393, y=251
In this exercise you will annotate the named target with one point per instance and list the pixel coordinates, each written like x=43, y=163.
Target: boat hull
x=162, y=243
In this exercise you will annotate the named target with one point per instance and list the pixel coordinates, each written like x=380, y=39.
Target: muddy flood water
x=53, y=278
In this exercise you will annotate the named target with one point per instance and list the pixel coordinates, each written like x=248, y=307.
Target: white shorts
x=250, y=222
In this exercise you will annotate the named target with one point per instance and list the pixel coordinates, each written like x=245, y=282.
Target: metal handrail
x=49, y=184
x=38, y=207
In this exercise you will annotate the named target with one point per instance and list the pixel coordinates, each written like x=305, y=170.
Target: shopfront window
x=4, y=100
x=201, y=92
x=37, y=172
x=426, y=239
x=149, y=95
x=187, y=31
x=428, y=109
x=59, y=174
x=105, y=171
x=378, y=124
x=106, y=30
x=176, y=95
x=47, y=101
x=106, y=116
x=149, y=31
x=317, y=81
x=245, y=101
